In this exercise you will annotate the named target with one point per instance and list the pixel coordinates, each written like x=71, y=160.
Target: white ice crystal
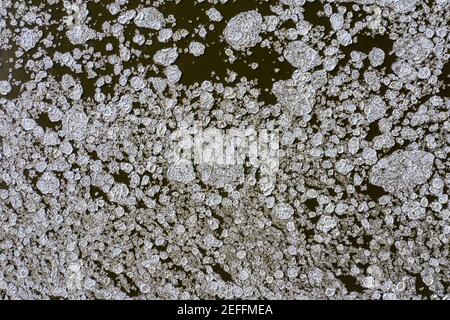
x=166, y=57
x=214, y=15
x=28, y=124
x=353, y=145
x=119, y=193
x=196, y=48
x=375, y=108
x=29, y=38
x=402, y=170
x=301, y=56
x=5, y=87
x=137, y=83
x=326, y=223
x=173, y=74
x=75, y=124
x=376, y=57
x=80, y=34
x=181, y=172
x=344, y=166
x=48, y=183
x=297, y=97
x=164, y=35
x=243, y=30
x=149, y=18
x=283, y=211
x=337, y=21
x=413, y=49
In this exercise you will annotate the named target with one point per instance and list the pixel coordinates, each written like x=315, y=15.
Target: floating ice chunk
x=283, y=211
x=413, y=49
x=173, y=74
x=271, y=23
x=137, y=83
x=376, y=57
x=207, y=100
x=344, y=38
x=298, y=98
x=301, y=56
x=401, y=6
x=353, y=145
x=114, y=8
x=119, y=193
x=125, y=103
x=214, y=200
x=337, y=21
x=402, y=170
x=403, y=70
x=149, y=18
x=50, y=139
x=159, y=84
x=369, y=155
x=5, y=87
x=48, y=183
x=80, y=34
x=164, y=35
x=181, y=172
x=369, y=282
x=196, y=48
x=344, y=166
x=243, y=30
x=326, y=223
x=74, y=124
x=413, y=210
x=214, y=15
x=29, y=38
x=375, y=109
x=293, y=3
x=424, y=73
x=28, y=124
x=76, y=92
x=125, y=17
x=166, y=57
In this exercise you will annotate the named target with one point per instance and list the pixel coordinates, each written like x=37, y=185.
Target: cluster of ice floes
x=224, y=149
